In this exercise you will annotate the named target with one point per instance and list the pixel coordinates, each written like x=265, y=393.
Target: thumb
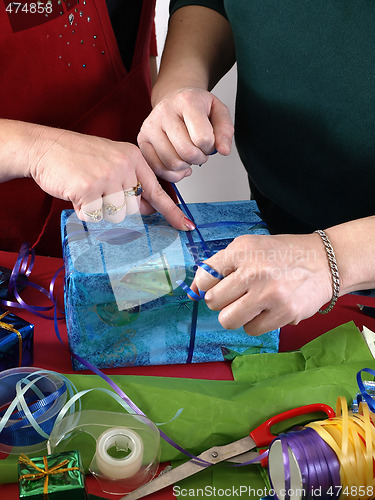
x=222, y=125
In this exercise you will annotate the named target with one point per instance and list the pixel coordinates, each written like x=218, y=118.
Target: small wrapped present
x=16, y=341
x=122, y=301
x=53, y=477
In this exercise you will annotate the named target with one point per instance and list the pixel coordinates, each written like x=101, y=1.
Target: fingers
x=158, y=166
x=92, y=211
x=264, y=322
x=133, y=197
x=112, y=183
x=269, y=281
x=157, y=198
x=222, y=263
x=240, y=303
x=111, y=208
x=114, y=207
x=191, y=148
x=211, y=131
x=183, y=130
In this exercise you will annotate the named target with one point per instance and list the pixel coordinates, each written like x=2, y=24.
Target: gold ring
x=96, y=215
x=112, y=209
x=135, y=191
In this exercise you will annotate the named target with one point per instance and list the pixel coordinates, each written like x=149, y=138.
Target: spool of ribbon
x=10, y=328
x=327, y=458
x=29, y=405
x=44, y=473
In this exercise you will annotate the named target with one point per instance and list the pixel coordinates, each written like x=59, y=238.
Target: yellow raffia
x=11, y=328
x=44, y=473
x=352, y=437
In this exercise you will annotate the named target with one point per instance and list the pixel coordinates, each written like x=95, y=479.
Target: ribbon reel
x=328, y=459
x=30, y=401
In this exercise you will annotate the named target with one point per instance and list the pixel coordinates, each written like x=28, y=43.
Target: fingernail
x=189, y=224
x=213, y=152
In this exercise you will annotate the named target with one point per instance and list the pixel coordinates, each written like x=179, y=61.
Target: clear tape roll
x=123, y=439
x=121, y=450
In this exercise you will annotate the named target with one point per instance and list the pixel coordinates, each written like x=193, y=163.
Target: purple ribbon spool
x=302, y=465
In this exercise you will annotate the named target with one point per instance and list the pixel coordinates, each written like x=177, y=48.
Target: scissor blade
x=244, y=457
x=212, y=456
x=173, y=476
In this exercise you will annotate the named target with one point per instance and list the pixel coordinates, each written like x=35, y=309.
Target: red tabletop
x=48, y=352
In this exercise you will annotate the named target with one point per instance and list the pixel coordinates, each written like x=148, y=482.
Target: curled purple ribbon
x=24, y=266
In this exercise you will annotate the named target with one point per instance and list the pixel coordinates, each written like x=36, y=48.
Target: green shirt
x=305, y=108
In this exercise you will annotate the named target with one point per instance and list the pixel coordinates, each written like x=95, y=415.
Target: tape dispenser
x=122, y=451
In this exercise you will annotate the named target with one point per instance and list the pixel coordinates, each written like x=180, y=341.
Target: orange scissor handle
x=262, y=434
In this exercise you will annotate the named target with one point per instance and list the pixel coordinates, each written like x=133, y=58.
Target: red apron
x=64, y=69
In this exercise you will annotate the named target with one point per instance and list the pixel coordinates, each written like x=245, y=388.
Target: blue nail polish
x=213, y=152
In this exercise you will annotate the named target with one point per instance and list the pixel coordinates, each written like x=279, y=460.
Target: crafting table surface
x=49, y=354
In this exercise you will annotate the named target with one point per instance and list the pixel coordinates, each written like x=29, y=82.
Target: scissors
x=239, y=451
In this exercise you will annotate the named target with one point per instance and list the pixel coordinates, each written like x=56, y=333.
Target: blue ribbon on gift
x=201, y=294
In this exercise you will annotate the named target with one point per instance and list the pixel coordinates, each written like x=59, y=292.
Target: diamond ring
x=96, y=215
x=135, y=191
x=112, y=209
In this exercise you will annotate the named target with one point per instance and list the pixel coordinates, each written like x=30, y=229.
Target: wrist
x=334, y=271
x=19, y=146
x=162, y=89
x=353, y=243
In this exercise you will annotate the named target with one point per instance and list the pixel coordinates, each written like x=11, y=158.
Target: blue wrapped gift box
x=16, y=341
x=122, y=303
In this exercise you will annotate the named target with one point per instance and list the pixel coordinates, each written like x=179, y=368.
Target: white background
x=221, y=178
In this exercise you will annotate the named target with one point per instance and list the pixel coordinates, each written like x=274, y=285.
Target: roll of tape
x=119, y=468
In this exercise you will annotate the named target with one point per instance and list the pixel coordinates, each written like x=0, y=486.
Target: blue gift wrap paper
x=123, y=305
x=15, y=347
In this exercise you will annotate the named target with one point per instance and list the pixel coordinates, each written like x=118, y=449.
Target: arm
x=82, y=169
x=188, y=123
x=198, y=51
x=271, y=281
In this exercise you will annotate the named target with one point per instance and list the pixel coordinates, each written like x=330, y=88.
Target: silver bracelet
x=334, y=271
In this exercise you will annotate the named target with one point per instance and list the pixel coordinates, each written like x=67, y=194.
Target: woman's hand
x=183, y=129
x=269, y=281
x=99, y=176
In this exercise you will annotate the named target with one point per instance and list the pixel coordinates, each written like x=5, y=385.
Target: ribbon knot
x=44, y=473
x=10, y=328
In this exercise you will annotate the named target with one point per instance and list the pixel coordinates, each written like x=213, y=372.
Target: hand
x=269, y=281
x=93, y=173
x=184, y=129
